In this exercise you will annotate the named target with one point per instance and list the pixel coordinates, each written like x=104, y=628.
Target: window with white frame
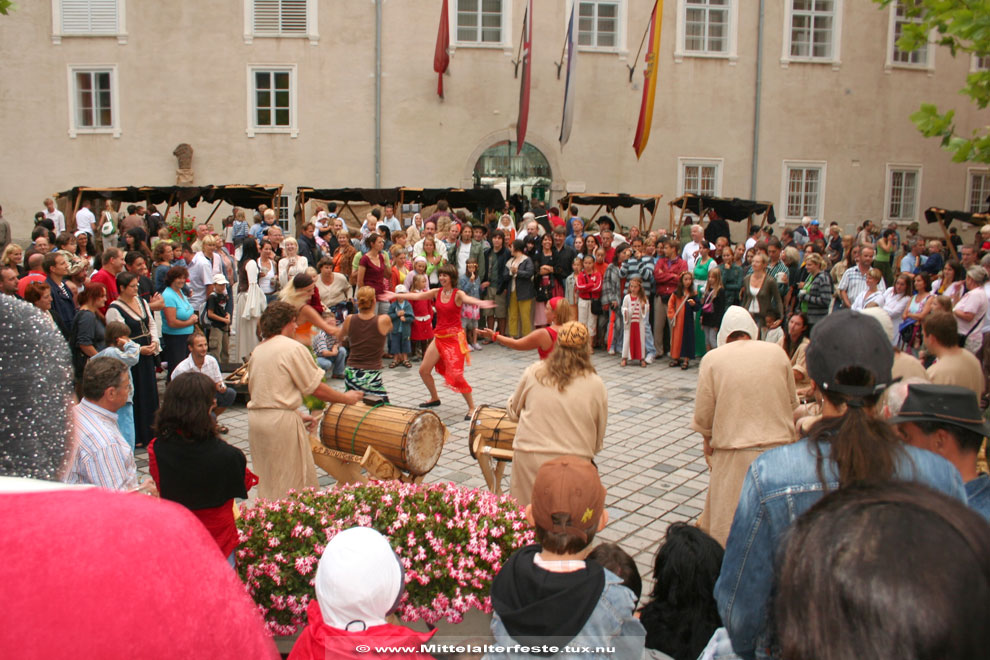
x=979, y=190
x=88, y=18
x=480, y=22
x=93, y=100
x=803, y=189
x=921, y=58
x=282, y=213
x=599, y=24
x=280, y=18
x=903, y=187
x=706, y=26
x=700, y=176
x=980, y=63
x=272, y=102
x=812, y=31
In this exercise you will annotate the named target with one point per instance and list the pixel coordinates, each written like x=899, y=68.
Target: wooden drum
x=411, y=439
x=491, y=432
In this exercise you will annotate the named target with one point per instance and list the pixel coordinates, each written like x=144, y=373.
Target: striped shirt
x=101, y=457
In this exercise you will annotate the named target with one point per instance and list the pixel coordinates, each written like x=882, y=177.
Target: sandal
x=685, y=365
x=623, y=363
x=642, y=363
x=394, y=364
x=673, y=363
x=407, y=364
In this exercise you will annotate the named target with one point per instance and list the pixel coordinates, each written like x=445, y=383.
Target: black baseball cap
x=849, y=339
x=950, y=405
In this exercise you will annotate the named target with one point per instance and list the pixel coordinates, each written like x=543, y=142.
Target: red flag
x=524, y=83
x=441, y=59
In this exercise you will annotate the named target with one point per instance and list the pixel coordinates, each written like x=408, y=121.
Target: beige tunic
x=745, y=403
x=554, y=423
x=281, y=371
x=958, y=367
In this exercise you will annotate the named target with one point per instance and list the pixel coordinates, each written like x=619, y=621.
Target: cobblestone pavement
x=652, y=464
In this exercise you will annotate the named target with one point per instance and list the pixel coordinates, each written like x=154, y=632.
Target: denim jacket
x=780, y=485
x=611, y=625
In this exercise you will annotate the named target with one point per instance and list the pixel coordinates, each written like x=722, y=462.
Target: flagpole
x=632, y=69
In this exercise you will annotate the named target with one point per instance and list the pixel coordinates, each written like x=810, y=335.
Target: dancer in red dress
x=448, y=350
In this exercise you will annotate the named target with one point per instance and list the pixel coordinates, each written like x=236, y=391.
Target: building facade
x=808, y=108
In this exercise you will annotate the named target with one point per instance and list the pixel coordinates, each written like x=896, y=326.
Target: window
x=480, y=22
x=979, y=190
x=803, y=189
x=903, y=186
x=598, y=24
x=272, y=103
x=980, y=63
x=706, y=28
x=280, y=18
x=93, y=100
x=922, y=58
x=812, y=31
x=88, y=18
x=700, y=176
x=282, y=217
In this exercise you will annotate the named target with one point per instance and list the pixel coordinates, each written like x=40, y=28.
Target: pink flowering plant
x=451, y=540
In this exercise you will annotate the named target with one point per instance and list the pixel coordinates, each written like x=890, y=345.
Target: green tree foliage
x=6, y=6
x=964, y=27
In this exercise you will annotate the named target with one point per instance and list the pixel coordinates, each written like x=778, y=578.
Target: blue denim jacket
x=781, y=485
x=612, y=625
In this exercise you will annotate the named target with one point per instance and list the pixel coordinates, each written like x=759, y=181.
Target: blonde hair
x=209, y=240
x=366, y=298
x=295, y=297
x=563, y=313
x=570, y=358
x=715, y=273
x=419, y=282
x=9, y=250
x=290, y=241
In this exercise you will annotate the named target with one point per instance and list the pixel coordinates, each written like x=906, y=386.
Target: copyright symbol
x=362, y=648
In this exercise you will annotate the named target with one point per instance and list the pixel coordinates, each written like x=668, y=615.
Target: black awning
x=614, y=200
x=729, y=208
x=249, y=196
x=933, y=214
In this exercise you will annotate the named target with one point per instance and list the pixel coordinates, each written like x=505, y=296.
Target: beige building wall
x=182, y=76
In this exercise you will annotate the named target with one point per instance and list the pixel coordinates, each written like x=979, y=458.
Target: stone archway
x=535, y=153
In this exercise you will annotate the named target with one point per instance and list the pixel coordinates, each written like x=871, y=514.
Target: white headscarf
x=737, y=319
x=881, y=315
x=359, y=580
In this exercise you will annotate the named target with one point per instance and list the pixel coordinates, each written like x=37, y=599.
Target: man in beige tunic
x=744, y=405
x=281, y=372
x=561, y=405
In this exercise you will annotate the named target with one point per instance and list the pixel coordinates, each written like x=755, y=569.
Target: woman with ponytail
x=849, y=360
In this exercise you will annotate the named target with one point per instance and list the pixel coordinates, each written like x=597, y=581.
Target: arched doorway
x=527, y=173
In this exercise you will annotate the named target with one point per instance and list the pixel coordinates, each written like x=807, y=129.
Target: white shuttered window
x=84, y=17
x=280, y=17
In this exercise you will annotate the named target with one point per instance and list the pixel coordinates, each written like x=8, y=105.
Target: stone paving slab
x=651, y=464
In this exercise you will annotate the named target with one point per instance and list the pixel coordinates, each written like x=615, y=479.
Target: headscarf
x=737, y=319
x=359, y=580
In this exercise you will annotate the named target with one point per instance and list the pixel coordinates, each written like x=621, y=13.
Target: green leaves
x=6, y=6
x=963, y=26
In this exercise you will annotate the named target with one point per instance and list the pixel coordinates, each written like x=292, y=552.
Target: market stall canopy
x=614, y=200
x=248, y=196
x=489, y=198
x=729, y=208
x=934, y=214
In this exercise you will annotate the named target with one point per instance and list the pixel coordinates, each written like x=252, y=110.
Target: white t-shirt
x=690, y=253
x=85, y=220
x=210, y=368
x=463, y=253
x=200, y=276
x=58, y=219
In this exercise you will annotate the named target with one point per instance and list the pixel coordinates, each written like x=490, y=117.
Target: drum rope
x=354, y=435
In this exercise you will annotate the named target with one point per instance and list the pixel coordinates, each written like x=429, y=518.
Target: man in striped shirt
x=101, y=456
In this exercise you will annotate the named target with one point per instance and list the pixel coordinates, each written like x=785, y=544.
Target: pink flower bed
x=451, y=540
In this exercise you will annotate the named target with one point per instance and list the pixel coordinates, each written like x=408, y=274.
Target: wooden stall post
x=945, y=232
x=209, y=217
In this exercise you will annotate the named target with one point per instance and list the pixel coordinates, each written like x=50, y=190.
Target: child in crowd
x=358, y=585
x=419, y=266
x=548, y=593
x=228, y=233
x=712, y=308
x=682, y=615
x=773, y=332
x=218, y=325
x=120, y=347
x=470, y=284
x=635, y=309
x=579, y=246
x=617, y=560
x=330, y=355
x=163, y=235
x=680, y=310
x=401, y=313
x=570, y=282
x=589, y=290
x=422, y=325
x=401, y=239
x=400, y=265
